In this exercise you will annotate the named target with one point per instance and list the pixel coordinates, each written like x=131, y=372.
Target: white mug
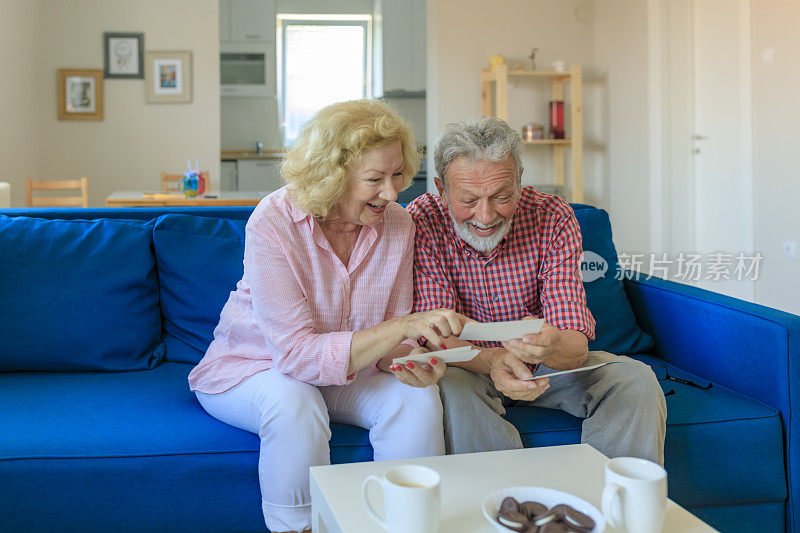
x=559, y=66
x=412, y=499
x=635, y=495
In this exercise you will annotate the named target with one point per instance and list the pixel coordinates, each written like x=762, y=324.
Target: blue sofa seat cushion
x=716, y=438
x=616, y=331
x=78, y=295
x=129, y=414
x=99, y=428
x=200, y=260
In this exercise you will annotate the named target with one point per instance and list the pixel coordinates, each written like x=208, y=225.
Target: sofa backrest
x=198, y=255
x=200, y=261
x=78, y=295
x=617, y=330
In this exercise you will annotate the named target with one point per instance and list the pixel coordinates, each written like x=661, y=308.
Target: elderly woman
x=323, y=307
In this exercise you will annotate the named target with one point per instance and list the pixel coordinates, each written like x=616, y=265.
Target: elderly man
x=494, y=251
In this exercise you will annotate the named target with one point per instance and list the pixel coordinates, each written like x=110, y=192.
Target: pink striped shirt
x=297, y=305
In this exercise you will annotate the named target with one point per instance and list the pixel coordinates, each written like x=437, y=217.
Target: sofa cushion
x=78, y=295
x=712, y=437
x=199, y=264
x=143, y=453
x=617, y=331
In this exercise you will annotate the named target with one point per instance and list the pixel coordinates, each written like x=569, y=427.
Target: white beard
x=478, y=243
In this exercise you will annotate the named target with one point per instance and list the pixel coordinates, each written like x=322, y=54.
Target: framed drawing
x=168, y=77
x=122, y=55
x=80, y=94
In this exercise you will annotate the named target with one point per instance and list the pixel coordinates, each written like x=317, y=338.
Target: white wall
x=136, y=141
x=19, y=136
x=620, y=57
x=414, y=111
x=776, y=171
x=463, y=34
x=245, y=120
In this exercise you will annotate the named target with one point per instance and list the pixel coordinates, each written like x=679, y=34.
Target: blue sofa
x=105, y=311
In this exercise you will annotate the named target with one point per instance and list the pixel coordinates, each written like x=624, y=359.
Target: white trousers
x=293, y=418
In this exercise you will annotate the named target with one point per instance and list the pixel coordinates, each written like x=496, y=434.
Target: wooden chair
x=171, y=182
x=81, y=185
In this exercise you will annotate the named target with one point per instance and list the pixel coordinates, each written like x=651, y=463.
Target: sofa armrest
x=752, y=349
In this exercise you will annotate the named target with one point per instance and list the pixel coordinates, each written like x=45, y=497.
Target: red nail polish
x=432, y=360
x=443, y=346
x=410, y=365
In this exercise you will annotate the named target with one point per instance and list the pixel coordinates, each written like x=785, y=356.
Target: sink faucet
x=259, y=147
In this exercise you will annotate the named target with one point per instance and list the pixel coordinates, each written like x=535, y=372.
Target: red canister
x=556, y=119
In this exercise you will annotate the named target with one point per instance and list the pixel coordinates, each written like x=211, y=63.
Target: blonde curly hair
x=317, y=166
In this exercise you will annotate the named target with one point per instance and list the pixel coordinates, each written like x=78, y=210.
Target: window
x=324, y=59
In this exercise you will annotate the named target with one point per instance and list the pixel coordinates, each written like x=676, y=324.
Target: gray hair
x=481, y=139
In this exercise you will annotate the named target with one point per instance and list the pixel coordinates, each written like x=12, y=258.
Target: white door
x=708, y=147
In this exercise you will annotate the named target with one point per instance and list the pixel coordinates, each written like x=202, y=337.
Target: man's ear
x=439, y=186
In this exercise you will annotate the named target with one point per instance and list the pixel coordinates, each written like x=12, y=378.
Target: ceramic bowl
x=548, y=497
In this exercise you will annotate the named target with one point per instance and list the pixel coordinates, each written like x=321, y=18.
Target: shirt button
x=495, y=298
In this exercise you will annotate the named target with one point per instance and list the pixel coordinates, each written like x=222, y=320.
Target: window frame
x=284, y=20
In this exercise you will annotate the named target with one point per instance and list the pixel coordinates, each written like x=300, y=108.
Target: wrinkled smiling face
x=482, y=197
x=374, y=183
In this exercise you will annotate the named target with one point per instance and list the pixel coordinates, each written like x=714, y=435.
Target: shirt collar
x=296, y=213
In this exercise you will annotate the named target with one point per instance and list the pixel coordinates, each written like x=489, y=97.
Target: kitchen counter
x=231, y=155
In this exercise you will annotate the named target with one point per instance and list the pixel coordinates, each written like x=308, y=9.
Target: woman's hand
x=420, y=375
x=435, y=325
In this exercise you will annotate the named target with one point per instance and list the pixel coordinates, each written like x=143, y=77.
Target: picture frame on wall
x=80, y=94
x=123, y=55
x=168, y=77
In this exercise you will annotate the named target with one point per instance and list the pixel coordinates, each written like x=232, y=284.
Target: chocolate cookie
x=534, y=517
x=509, y=504
x=513, y=520
x=577, y=521
x=532, y=509
x=556, y=526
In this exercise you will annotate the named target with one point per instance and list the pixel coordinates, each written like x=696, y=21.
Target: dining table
x=171, y=199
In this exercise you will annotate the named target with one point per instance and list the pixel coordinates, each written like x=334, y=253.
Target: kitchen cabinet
x=227, y=180
x=250, y=21
x=259, y=174
x=404, y=39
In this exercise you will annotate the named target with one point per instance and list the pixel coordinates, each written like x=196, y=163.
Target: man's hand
x=420, y=375
x=507, y=373
x=557, y=349
x=536, y=347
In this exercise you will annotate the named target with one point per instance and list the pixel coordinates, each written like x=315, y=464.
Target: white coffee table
x=466, y=480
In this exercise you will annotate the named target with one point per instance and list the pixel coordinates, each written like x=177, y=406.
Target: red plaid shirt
x=535, y=270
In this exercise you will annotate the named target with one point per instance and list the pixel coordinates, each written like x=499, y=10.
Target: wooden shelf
x=491, y=75
x=538, y=74
x=494, y=102
x=549, y=141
